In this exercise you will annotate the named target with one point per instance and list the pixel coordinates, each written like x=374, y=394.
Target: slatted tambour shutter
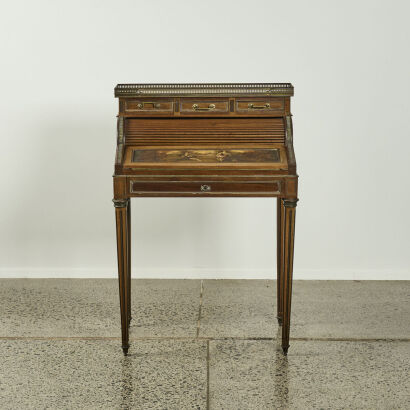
x=203, y=131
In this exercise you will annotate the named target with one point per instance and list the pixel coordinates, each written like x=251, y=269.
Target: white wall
x=349, y=63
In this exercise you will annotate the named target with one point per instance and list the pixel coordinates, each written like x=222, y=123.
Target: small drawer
x=204, y=106
x=204, y=188
x=151, y=106
x=260, y=106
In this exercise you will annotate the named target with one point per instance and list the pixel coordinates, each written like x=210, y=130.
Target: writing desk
x=206, y=140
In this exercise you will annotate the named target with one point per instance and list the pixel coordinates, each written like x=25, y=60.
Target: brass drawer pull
x=196, y=107
x=142, y=105
x=258, y=107
x=205, y=188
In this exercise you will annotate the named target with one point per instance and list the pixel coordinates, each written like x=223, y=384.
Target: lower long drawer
x=139, y=187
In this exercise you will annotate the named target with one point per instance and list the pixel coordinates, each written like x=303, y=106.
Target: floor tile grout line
x=207, y=374
x=204, y=338
x=350, y=339
x=200, y=309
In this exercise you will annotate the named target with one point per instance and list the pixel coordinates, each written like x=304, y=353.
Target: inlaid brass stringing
x=202, y=141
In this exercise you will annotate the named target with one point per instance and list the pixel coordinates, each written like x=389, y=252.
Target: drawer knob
x=258, y=107
x=205, y=188
x=142, y=105
x=196, y=107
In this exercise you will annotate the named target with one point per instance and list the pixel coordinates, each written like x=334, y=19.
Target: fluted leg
x=129, y=259
x=279, y=256
x=287, y=266
x=122, y=223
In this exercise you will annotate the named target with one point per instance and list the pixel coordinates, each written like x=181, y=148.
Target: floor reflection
x=281, y=373
x=127, y=386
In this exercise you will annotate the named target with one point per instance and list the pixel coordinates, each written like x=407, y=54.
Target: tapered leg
x=121, y=217
x=129, y=259
x=287, y=266
x=279, y=275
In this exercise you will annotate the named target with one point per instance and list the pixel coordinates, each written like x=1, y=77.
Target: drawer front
x=149, y=107
x=204, y=188
x=204, y=106
x=260, y=106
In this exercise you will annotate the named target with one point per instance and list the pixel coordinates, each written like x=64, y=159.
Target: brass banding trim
x=136, y=90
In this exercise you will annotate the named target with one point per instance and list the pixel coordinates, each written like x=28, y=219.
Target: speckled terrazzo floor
x=201, y=345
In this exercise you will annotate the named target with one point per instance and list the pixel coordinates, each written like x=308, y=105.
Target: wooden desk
x=206, y=140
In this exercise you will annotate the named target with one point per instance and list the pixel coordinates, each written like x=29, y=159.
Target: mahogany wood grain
x=260, y=106
x=204, y=131
x=279, y=258
x=288, y=239
x=129, y=260
x=122, y=224
x=208, y=187
x=206, y=140
x=204, y=107
x=143, y=107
